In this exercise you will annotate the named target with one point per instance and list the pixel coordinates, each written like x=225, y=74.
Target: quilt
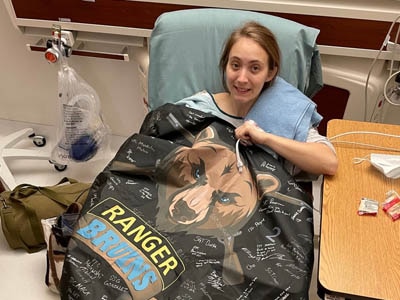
x=184, y=212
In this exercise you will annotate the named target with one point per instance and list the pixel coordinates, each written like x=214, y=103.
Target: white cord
x=239, y=162
x=364, y=132
x=367, y=145
x=394, y=51
x=332, y=139
x=387, y=38
x=358, y=160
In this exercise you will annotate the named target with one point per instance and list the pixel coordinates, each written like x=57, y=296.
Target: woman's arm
x=315, y=158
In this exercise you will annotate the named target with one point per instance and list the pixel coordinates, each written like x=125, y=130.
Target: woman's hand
x=315, y=158
x=249, y=133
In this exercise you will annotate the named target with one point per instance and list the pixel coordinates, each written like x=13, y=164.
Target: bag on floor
x=24, y=207
x=57, y=233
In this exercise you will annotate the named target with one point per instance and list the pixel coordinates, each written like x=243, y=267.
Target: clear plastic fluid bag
x=82, y=134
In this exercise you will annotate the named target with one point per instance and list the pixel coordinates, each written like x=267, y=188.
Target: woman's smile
x=242, y=90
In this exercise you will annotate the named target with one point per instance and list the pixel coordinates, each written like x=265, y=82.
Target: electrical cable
x=239, y=162
x=364, y=132
x=332, y=139
x=394, y=51
x=391, y=74
x=385, y=42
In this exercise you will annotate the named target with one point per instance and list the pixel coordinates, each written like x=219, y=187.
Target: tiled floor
x=18, y=266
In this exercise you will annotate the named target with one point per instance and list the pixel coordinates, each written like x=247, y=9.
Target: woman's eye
x=255, y=68
x=235, y=66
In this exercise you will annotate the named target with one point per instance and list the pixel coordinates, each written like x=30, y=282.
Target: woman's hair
x=262, y=36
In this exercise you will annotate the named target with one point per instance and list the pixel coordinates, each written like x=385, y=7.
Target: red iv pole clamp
x=82, y=134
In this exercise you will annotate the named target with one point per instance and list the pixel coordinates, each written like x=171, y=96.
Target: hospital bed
x=174, y=75
x=145, y=233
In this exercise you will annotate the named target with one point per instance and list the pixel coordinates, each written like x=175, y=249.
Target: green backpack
x=23, y=208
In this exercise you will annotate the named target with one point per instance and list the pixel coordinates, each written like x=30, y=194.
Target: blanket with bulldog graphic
x=173, y=216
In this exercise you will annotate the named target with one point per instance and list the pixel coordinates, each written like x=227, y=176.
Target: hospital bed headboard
x=185, y=48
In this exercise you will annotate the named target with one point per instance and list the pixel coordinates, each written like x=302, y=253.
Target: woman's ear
x=271, y=74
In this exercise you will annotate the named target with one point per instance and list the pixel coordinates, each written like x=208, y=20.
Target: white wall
x=28, y=84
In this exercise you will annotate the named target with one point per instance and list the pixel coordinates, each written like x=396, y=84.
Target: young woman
x=249, y=64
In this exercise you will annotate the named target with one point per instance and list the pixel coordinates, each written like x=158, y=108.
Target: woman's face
x=247, y=71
